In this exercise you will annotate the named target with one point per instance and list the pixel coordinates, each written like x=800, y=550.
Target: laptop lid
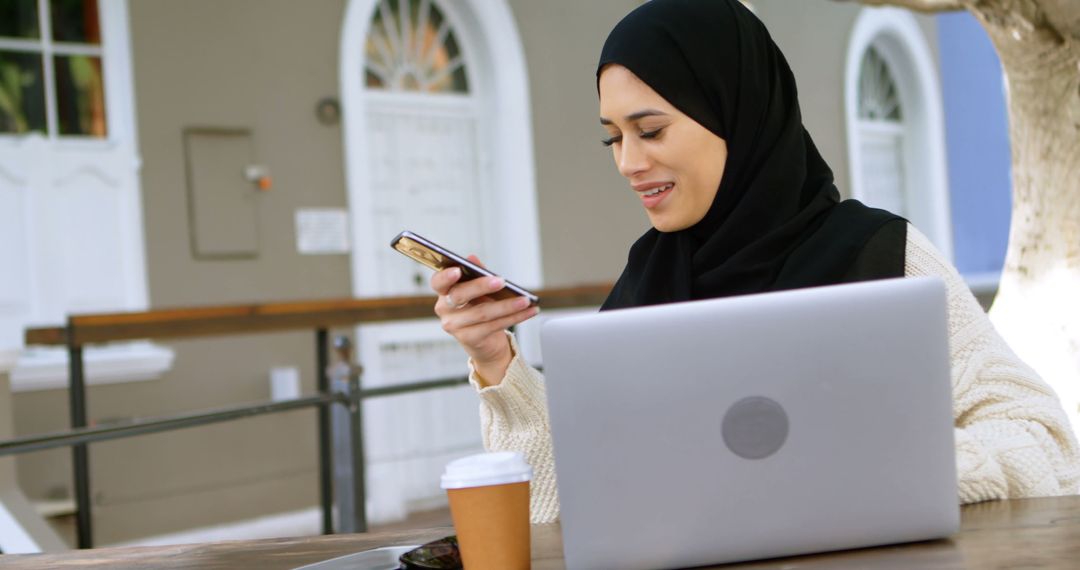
x=754, y=426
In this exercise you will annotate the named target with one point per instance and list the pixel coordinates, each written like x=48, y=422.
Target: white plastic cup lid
x=483, y=469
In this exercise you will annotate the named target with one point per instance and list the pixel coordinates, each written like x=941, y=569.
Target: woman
x=703, y=121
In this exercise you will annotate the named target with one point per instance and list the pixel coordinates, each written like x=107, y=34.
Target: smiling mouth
x=657, y=190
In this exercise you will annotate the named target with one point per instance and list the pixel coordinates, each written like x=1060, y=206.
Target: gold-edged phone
x=438, y=258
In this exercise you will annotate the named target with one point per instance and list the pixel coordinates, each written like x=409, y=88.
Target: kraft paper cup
x=489, y=502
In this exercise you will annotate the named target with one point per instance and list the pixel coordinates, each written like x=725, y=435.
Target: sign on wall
x=322, y=231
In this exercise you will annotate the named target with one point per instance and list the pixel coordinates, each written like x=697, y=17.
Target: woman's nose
x=631, y=158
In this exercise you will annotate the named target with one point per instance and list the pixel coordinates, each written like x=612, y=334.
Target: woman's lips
x=652, y=198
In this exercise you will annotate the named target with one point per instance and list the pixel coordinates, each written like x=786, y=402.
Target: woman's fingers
x=468, y=312
x=461, y=294
x=476, y=333
x=446, y=283
x=485, y=312
x=442, y=281
x=480, y=313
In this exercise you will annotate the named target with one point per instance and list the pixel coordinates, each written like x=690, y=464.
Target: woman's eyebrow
x=635, y=116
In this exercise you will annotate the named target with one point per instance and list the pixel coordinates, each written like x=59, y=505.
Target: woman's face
x=674, y=164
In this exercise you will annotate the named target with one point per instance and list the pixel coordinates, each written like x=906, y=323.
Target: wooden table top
x=1019, y=533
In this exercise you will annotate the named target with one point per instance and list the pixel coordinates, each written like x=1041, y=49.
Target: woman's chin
x=667, y=224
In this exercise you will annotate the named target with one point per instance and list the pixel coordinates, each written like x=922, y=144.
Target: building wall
x=588, y=213
x=263, y=65
x=258, y=64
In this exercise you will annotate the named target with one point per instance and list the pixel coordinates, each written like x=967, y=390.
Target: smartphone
x=438, y=258
x=442, y=554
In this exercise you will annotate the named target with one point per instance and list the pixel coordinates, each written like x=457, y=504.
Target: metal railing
x=83, y=330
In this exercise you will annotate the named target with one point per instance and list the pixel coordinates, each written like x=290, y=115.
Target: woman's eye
x=611, y=141
x=650, y=134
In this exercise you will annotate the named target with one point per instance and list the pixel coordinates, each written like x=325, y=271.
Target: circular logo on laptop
x=755, y=427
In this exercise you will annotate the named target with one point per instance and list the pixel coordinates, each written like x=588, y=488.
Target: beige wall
x=588, y=214
x=258, y=64
x=263, y=64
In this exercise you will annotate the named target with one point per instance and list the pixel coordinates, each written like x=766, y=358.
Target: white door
x=427, y=177
x=883, y=184
x=417, y=102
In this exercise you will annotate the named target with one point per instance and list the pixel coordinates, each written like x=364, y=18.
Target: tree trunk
x=1037, y=308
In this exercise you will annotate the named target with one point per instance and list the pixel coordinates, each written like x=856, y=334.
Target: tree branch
x=926, y=6
x=1063, y=16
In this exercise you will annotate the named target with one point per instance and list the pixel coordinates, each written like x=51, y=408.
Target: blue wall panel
x=977, y=138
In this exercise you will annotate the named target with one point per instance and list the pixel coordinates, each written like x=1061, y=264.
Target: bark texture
x=1037, y=308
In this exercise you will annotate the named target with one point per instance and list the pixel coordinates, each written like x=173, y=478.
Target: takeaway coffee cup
x=489, y=502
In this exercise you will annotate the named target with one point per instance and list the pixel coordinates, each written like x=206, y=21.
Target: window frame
x=902, y=43
x=49, y=49
x=114, y=157
x=393, y=40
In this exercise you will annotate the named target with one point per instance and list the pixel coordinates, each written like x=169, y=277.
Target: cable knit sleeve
x=513, y=417
x=1013, y=438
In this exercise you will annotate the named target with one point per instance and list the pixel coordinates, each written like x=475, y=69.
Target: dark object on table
x=442, y=554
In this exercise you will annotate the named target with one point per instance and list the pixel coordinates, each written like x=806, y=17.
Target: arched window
x=895, y=128
x=881, y=136
x=878, y=99
x=413, y=49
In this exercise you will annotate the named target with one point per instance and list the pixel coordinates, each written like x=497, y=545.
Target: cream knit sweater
x=1012, y=436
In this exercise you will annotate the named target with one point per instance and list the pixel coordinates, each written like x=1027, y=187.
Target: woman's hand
x=477, y=321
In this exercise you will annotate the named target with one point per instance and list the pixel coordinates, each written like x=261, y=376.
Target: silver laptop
x=752, y=427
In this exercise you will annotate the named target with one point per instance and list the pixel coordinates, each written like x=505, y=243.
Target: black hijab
x=777, y=221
